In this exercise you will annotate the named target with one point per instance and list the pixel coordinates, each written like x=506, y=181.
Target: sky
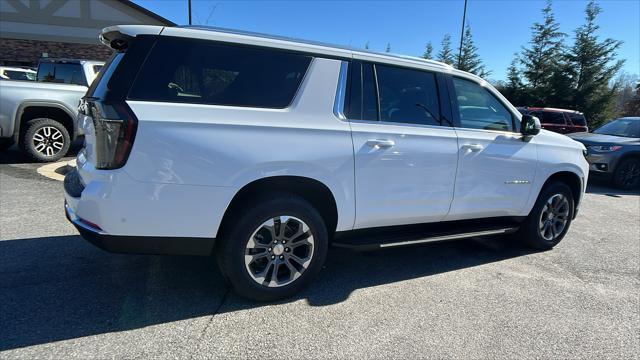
x=500, y=27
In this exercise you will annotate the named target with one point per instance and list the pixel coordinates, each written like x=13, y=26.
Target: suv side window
x=202, y=72
x=407, y=96
x=479, y=109
x=552, y=117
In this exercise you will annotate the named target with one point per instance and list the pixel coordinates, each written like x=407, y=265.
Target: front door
x=496, y=167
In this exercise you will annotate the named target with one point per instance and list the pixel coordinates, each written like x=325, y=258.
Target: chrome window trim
x=341, y=91
x=388, y=123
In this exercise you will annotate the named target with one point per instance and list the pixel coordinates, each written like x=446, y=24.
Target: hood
x=593, y=139
x=553, y=138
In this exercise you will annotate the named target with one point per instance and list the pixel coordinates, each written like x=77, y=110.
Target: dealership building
x=33, y=29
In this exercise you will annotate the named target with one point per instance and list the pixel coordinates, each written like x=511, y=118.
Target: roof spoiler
x=118, y=37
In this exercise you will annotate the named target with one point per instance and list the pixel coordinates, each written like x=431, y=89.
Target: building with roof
x=32, y=29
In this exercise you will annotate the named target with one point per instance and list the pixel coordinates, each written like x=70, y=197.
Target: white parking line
x=49, y=170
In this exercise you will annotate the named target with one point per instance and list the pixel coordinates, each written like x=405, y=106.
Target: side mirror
x=530, y=125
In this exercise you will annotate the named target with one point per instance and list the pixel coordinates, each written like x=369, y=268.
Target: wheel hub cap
x=554, y=217
x=279, y=251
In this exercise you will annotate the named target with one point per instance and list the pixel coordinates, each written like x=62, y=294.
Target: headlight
x=605, y=148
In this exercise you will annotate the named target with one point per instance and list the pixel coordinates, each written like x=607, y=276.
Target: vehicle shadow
x=604, y=187
x=13, y=155
x=58, y=288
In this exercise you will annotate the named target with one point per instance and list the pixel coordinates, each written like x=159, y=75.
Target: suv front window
x=479, y=109
x=620, y=127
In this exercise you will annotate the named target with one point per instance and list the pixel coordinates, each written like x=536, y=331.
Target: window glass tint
x=219, y=74
x=369, y=96
x=578, y=119
x=62, y=73
x=552, y=117
x=19, y=75
x=407, y=96
x=620, y=127
x=479, y=109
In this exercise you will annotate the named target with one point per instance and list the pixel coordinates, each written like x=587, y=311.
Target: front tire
x=550, y=218
x=274, y=249
x=627, y=174
x=45, y=140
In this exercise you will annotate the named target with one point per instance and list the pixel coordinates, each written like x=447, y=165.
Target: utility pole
x=189, y=1
x=464, y=17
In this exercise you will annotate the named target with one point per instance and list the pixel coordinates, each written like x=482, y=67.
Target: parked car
x=614, y=151
x=41, y=115
x=265, y=150
x=16, y=73
x=562, y=121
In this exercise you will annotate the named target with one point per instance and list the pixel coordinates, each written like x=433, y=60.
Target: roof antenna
x=189, y=1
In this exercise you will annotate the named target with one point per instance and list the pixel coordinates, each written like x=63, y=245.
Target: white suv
x=264, y=151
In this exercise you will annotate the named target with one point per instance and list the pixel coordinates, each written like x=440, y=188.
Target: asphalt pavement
x=60, y=297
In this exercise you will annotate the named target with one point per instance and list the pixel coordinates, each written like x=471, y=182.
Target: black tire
x=51, y=152
x=530, y=232
x=6, y=143
x=231, y=246
x=627, y=174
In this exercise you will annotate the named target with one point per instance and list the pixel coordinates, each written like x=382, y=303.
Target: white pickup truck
x=41, y=115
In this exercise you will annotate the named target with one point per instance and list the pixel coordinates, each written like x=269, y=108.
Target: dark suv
x=562, y=121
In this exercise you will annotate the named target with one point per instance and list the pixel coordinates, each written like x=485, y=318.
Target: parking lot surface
x=60, y=297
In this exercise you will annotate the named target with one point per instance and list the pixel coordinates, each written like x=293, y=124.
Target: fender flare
x=41, y=103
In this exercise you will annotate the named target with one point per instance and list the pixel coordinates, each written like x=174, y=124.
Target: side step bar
x=451, y=237
x=378, y=238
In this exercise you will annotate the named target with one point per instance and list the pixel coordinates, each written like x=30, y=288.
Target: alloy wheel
x=554, y=217
x=630, y=174
x=48, y=141
x=279, y=251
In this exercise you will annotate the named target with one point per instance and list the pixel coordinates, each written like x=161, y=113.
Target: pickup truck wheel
x=627, y=174
x=6, y=143
x=45, y=139
x=550, y=217
x=274, y=249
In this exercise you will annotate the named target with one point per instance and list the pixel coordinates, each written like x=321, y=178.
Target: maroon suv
x=562, y=121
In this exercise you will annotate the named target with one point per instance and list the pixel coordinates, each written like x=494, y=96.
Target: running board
x=371, y=239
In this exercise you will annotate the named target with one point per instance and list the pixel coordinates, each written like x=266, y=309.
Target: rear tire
x=265, y=261
x=627, y=174
x=550, y=218
x=45, y=140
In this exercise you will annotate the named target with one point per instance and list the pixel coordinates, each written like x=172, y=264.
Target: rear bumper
x=140, y=244
x=157, y=245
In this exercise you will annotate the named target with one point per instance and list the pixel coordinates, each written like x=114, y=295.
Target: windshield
x=620, y=127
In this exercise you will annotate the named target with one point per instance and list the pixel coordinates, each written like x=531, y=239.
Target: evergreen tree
x=594, y=64
x=632, y=107
x=514, y=89
x=428, y=51
x=445, y=54
x=468, y=59
x=542, y=59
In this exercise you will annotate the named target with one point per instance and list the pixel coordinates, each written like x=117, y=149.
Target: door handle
x=380, y=143
x=472, y=147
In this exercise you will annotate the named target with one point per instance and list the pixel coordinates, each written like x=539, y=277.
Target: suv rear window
x=550, y=117
x=577, y=119
x=203, y=72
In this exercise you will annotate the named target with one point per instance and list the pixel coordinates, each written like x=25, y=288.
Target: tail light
x=115, y=129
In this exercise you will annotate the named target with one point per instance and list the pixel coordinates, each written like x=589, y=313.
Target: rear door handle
x=472, y=147
x=380, y=143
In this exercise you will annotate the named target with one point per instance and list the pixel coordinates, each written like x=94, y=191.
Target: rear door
x=405, y=152
x=495, y=166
